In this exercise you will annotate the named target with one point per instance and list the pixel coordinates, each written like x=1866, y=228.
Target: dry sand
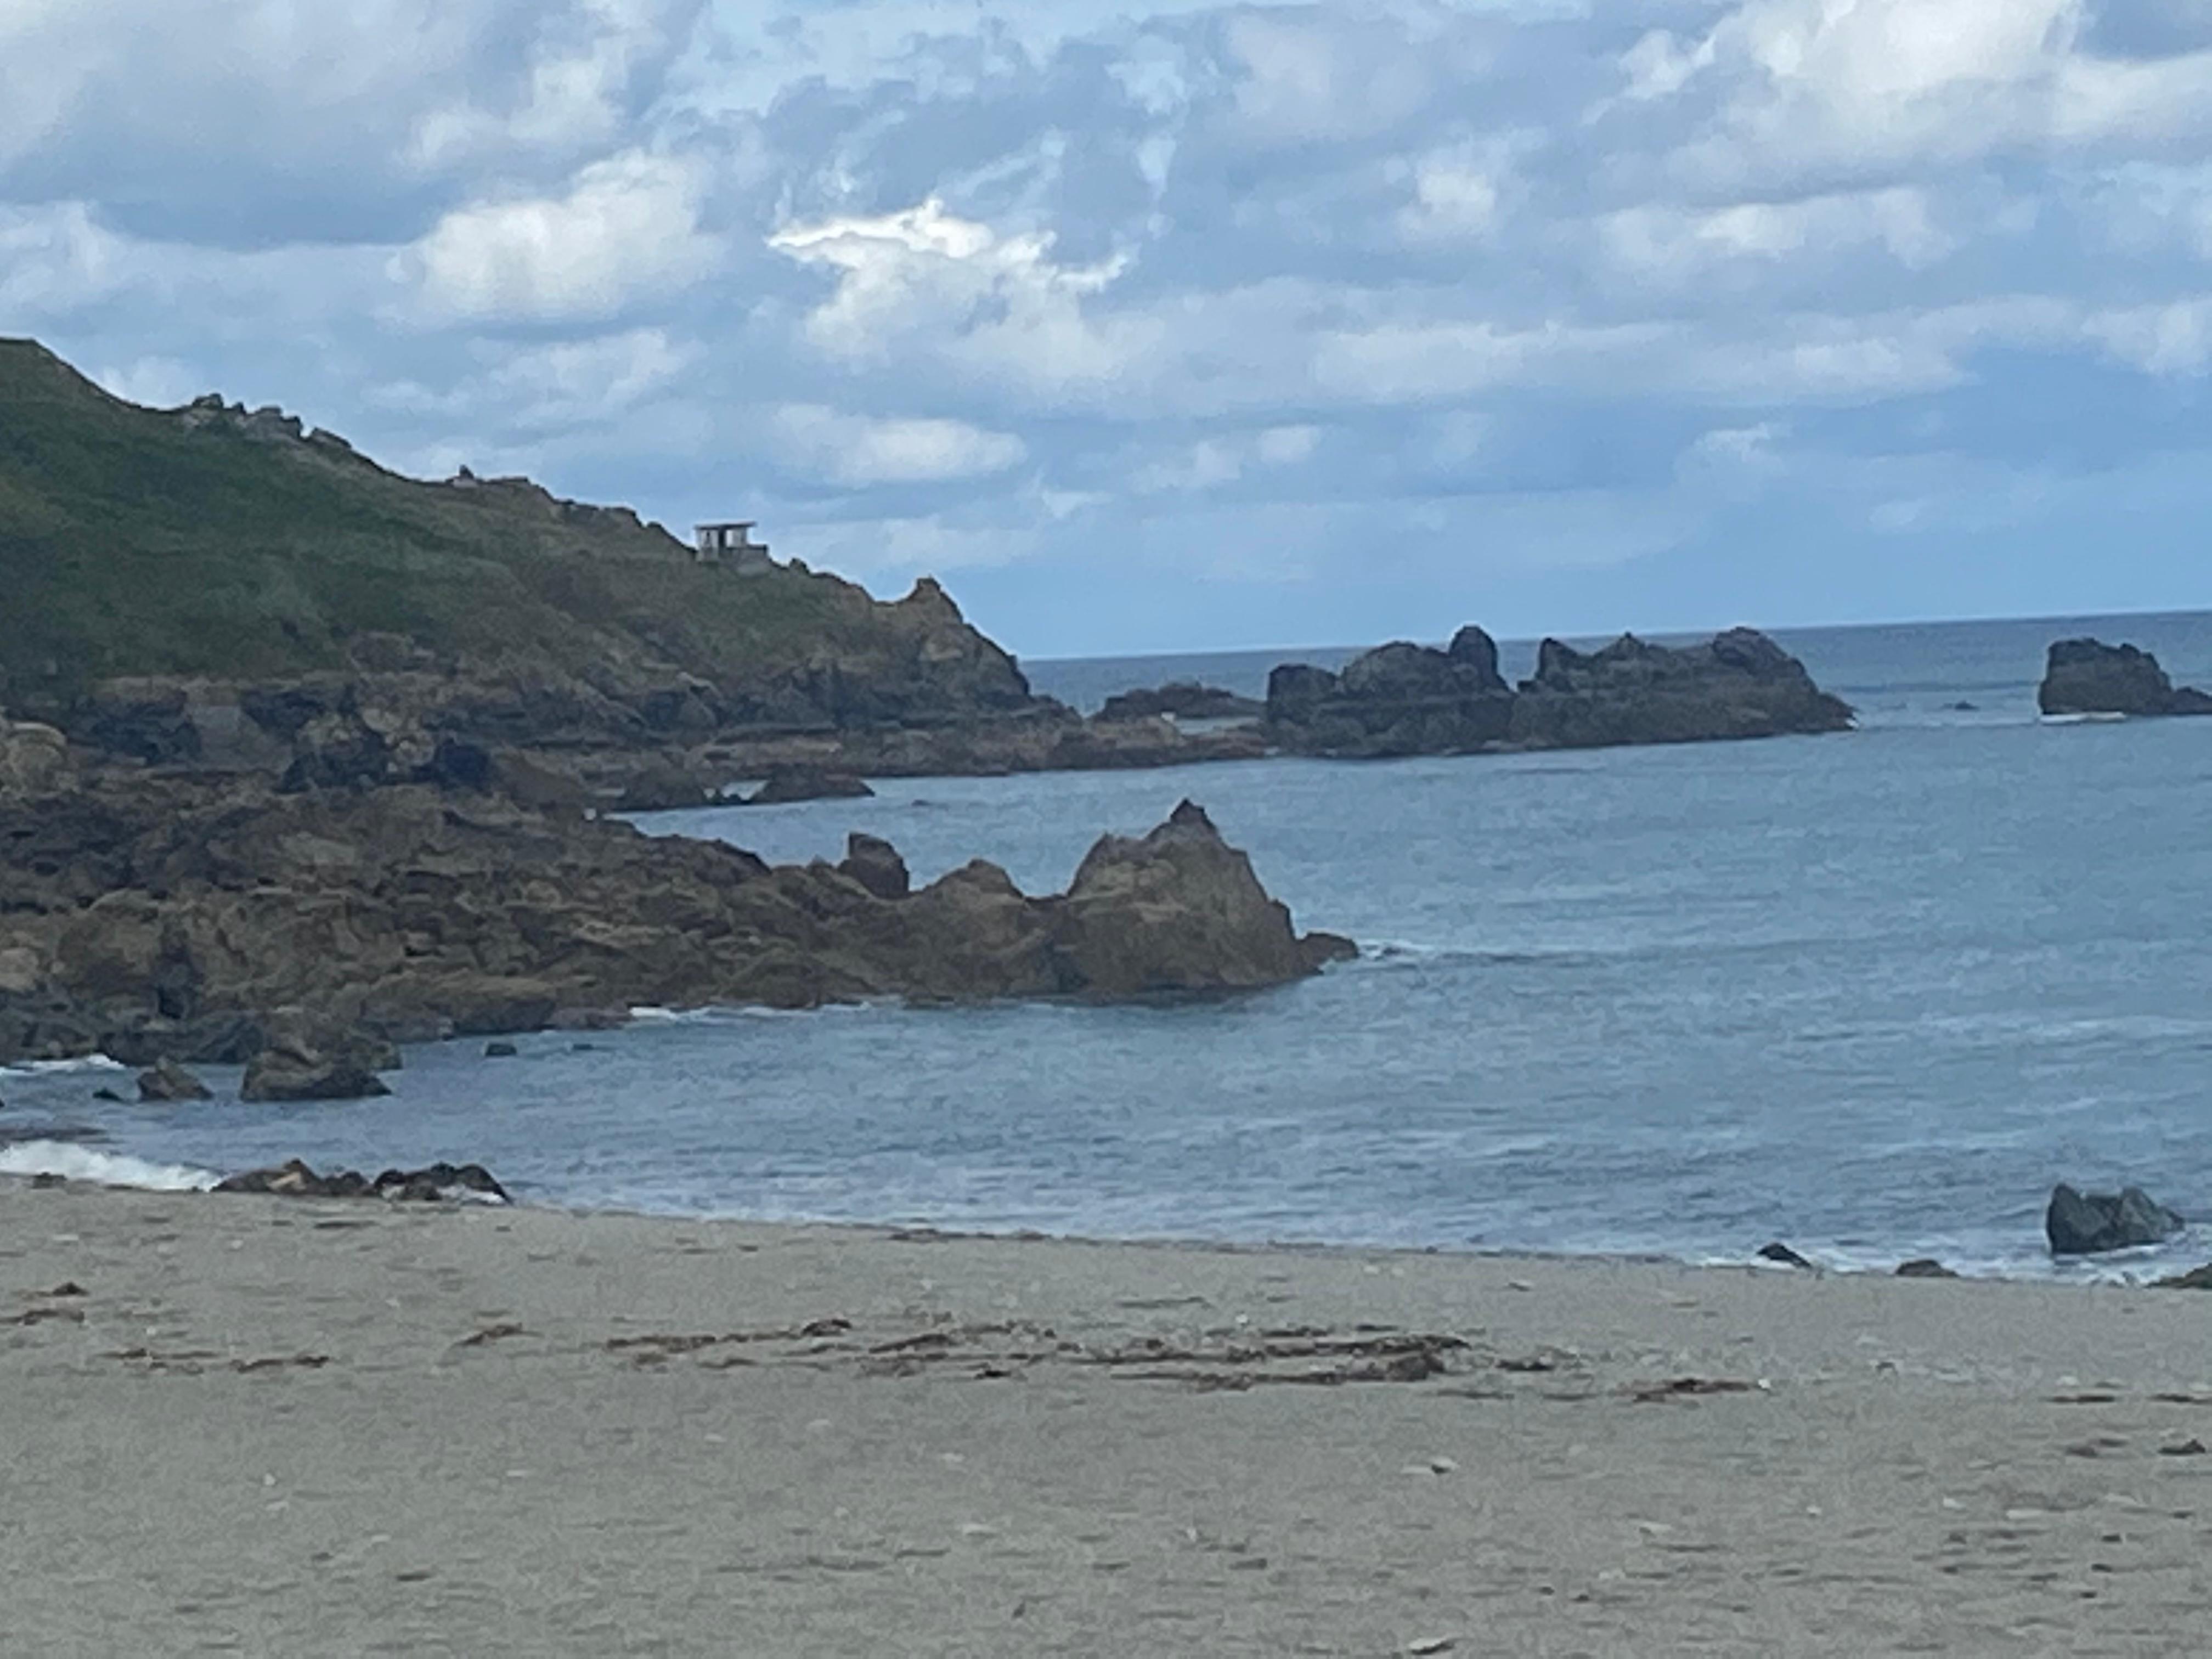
x=290, y=1428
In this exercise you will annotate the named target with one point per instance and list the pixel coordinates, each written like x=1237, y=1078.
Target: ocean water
x=1872, y=994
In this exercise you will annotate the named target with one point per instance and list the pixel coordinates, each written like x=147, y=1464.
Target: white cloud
x=627, y=230
x=858, y=451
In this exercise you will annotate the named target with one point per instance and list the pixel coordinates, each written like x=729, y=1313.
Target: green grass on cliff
x=133, y=544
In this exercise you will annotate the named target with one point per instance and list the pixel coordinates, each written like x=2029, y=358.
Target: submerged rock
x=1408, y=699
x=168, y=1081
x=2092, y=1224
x=2087, y=676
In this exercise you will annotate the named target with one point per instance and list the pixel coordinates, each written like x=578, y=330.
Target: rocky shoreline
x=219, y=920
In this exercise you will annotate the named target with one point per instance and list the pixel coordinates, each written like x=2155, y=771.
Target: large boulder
x=2087, y=676
x=2091, y=1224
x=166, y=1082
x=302, y=1059
x=1178, y=910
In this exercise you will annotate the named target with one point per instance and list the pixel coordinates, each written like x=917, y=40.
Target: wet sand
x=283, y=1428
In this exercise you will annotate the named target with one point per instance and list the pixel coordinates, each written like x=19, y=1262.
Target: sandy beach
x=245, y=1424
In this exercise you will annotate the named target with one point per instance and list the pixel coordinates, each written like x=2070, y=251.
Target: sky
x=1181, y=326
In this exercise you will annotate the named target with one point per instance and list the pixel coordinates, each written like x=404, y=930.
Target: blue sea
x=1871, y=993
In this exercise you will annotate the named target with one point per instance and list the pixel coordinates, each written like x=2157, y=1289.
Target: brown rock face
x=171, y=917
x=1179, y=910
x=167, y=1081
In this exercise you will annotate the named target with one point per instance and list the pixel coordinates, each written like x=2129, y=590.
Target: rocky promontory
x=2087, y=676
x=1403, y=699
x=204, y=920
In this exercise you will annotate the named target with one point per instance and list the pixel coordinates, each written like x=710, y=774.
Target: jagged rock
x=436, y=1183
x=151, y=726
x=303, y=1060
x=1185, y=700
x=1781, y=1253
x=2087, y=676
x=178, y=917
x=2091, y=1224
x=2197, y=1279
x=501, y=1051
x=876, y=864
x=1179, y=910
x=1406, y=699
x=796, y=783
x=659, y=784
x=1321, y=948
x=167, y=1081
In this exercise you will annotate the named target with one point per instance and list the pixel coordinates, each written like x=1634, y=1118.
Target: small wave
x=75, y=1162
x=55, y=1067
x=2094, y=718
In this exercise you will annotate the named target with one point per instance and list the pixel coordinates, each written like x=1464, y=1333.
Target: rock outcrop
x=1413, y=700
x=2087, y=676
x=1184, y=700
x=787, y=784
x=1177, y=910
x=166, y=1082
x=151, y=917
x=300, y=1060
x=2092, y=1224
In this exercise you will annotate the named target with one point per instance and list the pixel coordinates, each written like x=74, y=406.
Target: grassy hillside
x=133, y=541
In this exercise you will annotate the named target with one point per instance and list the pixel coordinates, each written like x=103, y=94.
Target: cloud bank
x=1200, y=325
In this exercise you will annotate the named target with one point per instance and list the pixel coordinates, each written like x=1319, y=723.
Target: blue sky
x=1197, y=325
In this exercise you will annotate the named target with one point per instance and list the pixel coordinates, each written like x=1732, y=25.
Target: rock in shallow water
x=435, y=1183
x=167, y=1082
x=2093, y=1224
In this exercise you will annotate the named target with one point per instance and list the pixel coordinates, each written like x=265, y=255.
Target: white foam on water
x=51, y=1067
x=75, y=1162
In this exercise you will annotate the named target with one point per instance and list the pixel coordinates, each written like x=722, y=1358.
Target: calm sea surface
x=1872, y=994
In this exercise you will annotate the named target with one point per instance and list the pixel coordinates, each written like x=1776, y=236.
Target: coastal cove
x=1872, y=993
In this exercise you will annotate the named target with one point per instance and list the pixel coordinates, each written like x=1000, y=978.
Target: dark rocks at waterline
x=300, y=1060
x=1404, y=699
x=178, y=917
x=2087, y=676
x=435, y=1183
x=786, y=784
x=2197, y=1279
x=2094, y=1224
x=1184, y=700
x=876, y=864
x=1924, y=1267
x=167, y=1082
x=1782, y=1255
x=501, y=1051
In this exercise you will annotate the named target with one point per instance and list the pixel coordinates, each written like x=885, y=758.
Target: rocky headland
x=1403, y=699
x=305, y=930
x=2087, y=676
